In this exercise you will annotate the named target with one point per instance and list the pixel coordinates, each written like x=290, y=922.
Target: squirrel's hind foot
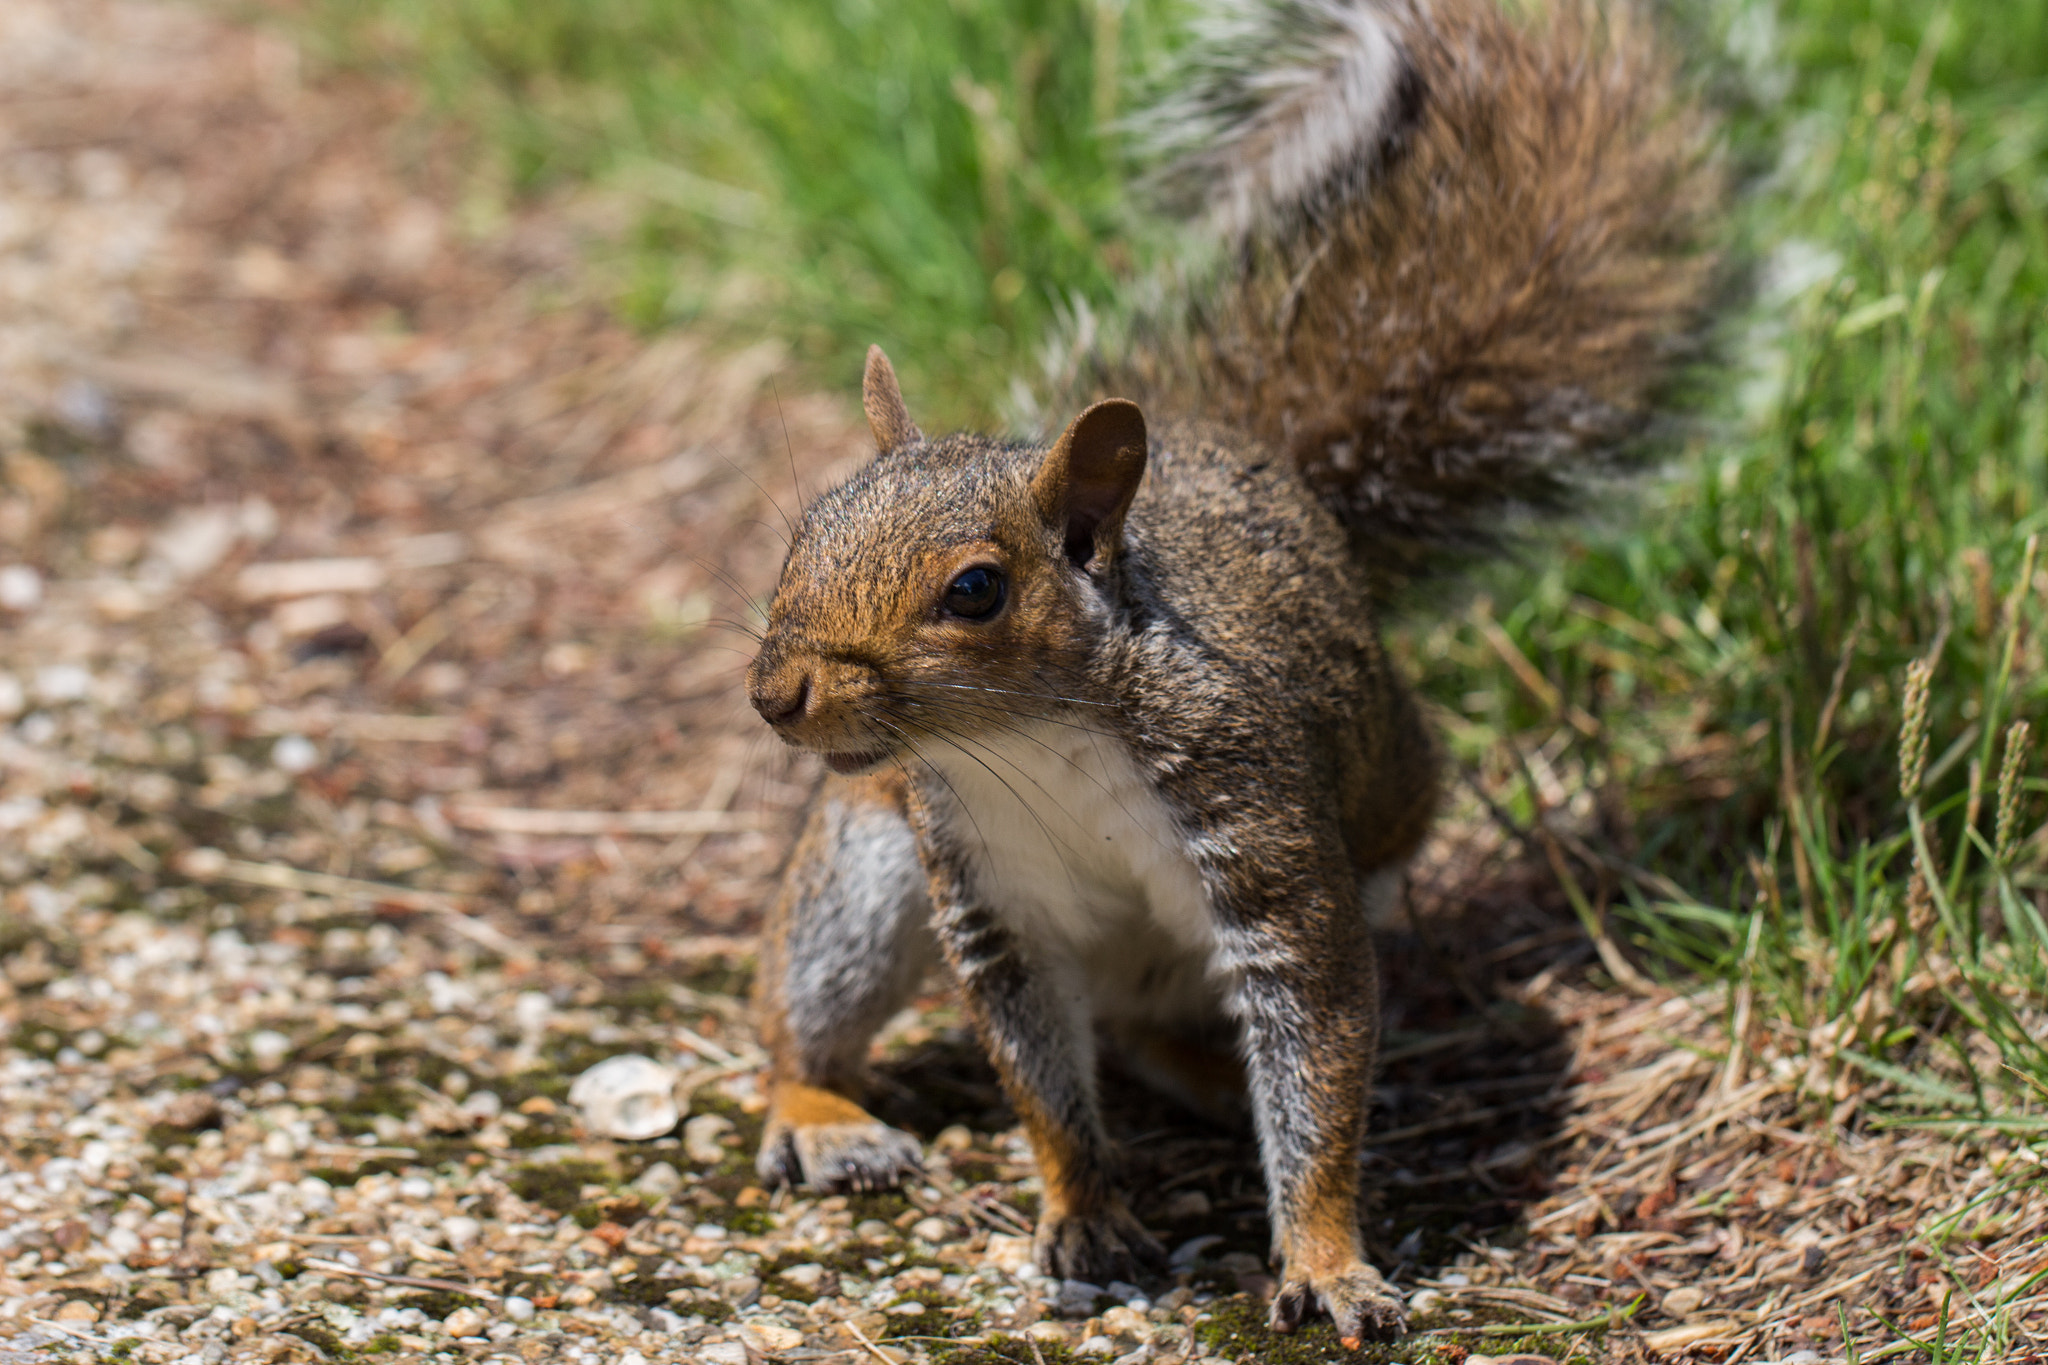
x=1363, y=1306
x=839, y=1158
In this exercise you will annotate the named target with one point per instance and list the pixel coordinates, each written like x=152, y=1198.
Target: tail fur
x=1456, y=253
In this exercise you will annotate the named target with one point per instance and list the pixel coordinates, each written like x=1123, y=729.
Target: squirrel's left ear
x=1090, y=476
x=882, y=399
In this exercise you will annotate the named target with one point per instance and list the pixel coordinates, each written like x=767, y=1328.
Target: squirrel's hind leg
x=846, y=944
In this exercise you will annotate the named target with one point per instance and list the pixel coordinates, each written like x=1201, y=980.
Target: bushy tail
x=1456, y=253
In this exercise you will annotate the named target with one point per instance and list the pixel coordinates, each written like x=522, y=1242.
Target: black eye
x=975, y=594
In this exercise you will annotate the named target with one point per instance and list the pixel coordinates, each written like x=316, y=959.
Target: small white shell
x=629, y=1097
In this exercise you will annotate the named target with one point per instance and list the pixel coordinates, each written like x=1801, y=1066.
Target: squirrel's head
x=949, y=587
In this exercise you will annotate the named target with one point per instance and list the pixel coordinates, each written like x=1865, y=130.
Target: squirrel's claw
x=839, y=1158
x=1363, y=1306
x=1098, y=1248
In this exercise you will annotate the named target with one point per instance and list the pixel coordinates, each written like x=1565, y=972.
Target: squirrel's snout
x=781, y=700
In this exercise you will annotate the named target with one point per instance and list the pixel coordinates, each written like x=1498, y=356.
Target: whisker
x=1007, y=692
x=728, y=649
x=1068, y=759
x=739, y=627
x=1060, y=846
x=787, y=523
x=935, y=771
x=731, y=584
x=980, y=710
x=796, y=484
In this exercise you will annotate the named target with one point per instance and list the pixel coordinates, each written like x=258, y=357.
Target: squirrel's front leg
x=1042, y=1045
x=845, y=947
x=1307, y=1000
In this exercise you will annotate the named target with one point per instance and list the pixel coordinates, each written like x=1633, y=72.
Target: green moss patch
x=934, y=1321
x=882, y=1205
x=439, y=1303
x=1004, y=1350
x=1236, y=1326
x=558, y=1185
x=750, y=1222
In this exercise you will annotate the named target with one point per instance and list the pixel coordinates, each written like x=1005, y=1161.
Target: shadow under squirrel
x=1116, y=735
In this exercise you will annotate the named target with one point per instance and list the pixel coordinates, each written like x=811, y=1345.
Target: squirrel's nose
x=782, y=700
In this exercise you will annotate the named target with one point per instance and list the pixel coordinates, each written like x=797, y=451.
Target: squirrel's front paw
x=1107, y=1245
x=839, y=1158
x=1363, y=1306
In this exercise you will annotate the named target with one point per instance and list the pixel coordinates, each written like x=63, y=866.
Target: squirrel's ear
x=882, y=400
x=1090, y=476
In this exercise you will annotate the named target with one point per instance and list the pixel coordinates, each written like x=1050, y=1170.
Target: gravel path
x=371, y=768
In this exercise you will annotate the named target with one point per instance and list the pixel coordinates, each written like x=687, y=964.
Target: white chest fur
x=1074, y=848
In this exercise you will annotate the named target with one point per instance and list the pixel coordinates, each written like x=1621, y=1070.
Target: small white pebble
x=703, y=1138
x=710, y=1232
x=632, y=1358
x=722, y=1353
x=294, y=754
x=518, y=1308
x=1097, y=1346
x=465, y=1322
x=531, y=1010
x=21, y=588
x=806, y=1277
x=1684, y=1301
x=658, y=1180
x=59, y=683
x=932, y=1230
x=268, y=1048
x=416, y=1187
x=461, y=1231
x=12, y=698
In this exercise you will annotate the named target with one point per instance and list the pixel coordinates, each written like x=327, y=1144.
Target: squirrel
x=1115, y=737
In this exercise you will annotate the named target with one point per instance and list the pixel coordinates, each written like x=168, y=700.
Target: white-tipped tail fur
x=1281, y=105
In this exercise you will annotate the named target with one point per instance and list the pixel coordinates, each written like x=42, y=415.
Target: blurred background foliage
x=1711, y=672
x=934, y=175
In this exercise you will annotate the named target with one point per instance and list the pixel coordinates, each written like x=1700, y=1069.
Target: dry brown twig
x=409, y=1281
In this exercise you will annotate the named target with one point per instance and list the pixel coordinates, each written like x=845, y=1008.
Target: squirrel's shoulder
x=1218, y=495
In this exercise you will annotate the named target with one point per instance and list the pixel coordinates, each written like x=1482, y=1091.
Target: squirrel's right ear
x=1090, y=476
x=882, y=399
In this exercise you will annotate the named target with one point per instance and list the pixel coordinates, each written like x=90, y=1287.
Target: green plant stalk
x=1994, y=699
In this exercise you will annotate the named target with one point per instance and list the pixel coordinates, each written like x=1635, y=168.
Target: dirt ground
x=372, y=762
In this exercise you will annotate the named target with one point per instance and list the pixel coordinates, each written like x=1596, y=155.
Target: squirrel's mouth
x=849, y=765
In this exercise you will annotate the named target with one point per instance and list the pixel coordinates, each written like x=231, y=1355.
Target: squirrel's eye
x=975, y=594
